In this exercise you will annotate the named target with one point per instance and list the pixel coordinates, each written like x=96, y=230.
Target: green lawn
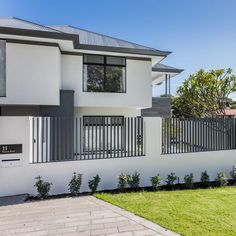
x=188, y=212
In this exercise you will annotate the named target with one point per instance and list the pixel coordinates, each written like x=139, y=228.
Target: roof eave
x=40, y=34
x=167, y=70
x=123, y=50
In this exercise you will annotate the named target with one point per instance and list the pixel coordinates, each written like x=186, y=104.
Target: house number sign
x=10, y=148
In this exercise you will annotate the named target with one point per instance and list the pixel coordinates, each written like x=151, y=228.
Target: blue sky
x=200, y=33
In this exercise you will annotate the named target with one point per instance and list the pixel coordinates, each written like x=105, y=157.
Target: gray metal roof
x=92, y=38
x=83, y=39
x=164, y=68
x=14, y=22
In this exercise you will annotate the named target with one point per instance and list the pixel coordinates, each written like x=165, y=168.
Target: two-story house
x=72, y=100
x=68, y=71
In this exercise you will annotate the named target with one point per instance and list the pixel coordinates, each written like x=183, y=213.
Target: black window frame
x=105, y=65
x=102, y=125
x=103, y=117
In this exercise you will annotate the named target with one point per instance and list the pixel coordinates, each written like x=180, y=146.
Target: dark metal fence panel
x=88, y=138
x=198, y=135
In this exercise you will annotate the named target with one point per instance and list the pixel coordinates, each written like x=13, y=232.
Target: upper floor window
x=104, y=74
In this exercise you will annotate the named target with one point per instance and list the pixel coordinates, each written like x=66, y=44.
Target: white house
x=75, y=100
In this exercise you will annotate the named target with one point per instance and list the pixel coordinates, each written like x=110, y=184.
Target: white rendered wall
x=71, y=75
x=33, y=75
x=16, y=180
x=138, y=85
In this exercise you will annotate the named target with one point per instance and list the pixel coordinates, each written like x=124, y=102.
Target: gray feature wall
x=63, y=125
x=2, y=68
x=66, y=108
x=161, y=107
x=20, y=110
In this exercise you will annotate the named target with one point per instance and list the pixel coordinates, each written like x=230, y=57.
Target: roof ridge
x=75, y=27
x=33, y=23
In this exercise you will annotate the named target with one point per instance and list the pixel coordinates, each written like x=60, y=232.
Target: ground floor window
x=103, y=133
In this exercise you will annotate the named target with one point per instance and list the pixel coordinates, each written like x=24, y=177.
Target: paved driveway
x=72, y=217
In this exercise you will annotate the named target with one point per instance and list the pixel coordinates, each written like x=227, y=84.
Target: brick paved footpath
x=73, y=217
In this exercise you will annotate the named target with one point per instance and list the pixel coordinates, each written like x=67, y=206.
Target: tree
x=204, y=94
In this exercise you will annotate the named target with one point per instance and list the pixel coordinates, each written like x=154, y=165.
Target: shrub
x=93, y=183
x=189, y=180
x=221, y=179
x=75, y=184
x=233, y=174
x=43, y=187
x=171, y=178
x=156, y=182
x=123, y=181
x=134, y=180
x=205, y=178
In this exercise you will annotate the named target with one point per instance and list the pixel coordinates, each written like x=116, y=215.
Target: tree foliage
x=204, y=94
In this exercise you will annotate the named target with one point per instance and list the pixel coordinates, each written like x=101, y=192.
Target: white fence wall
x=20, y=179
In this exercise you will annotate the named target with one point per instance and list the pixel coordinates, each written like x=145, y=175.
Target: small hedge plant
x=205, y=179
x=134, y=181
x=93, y=183
x=156, y=182
x=43, y=187
x=123, y=181
x=171, y=179
x=189, y=180
x=126, y=180
x=75, y=184
x=221, y=179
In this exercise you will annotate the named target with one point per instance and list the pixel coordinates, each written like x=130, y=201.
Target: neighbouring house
x=228, y=113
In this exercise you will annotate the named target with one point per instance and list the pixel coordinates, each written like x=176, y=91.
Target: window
x=104, y=74
x=103, y=120
x=103, y=133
